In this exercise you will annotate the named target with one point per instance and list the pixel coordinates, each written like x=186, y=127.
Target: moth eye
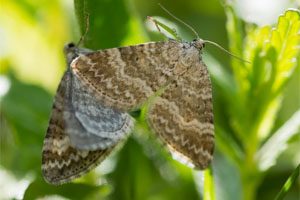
x=70, y=45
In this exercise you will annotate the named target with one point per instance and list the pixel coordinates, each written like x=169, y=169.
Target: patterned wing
x=61, y=162
x=182, y=117
x=96, y=119
x=124, y=78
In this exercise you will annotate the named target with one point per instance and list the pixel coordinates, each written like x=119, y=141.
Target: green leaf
x=273, y=53
x=227, y=145
x=286, y=39
x=39, y=188
x=107, y=23
x=269, y=152
x=26, y=109
x=227, y=179
x=288, y=184
x=107, y=19
x=235, y=33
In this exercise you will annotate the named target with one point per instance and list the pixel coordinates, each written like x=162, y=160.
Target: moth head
x=198, y=43
x=71, y=52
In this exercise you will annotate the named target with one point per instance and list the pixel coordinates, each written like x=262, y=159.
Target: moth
x=168, y=77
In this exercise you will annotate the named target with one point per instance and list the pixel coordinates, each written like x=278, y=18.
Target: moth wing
x=124, y=78
x=96, y=119
x=182, y=117
x=61, y=162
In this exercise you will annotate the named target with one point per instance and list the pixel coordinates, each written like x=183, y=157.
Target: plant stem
x=249, y=189
x=209, y=189
x=249, y=173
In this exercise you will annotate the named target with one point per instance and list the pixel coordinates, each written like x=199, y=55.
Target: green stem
x=209, y=189
x=249, y=173
x=249, y=188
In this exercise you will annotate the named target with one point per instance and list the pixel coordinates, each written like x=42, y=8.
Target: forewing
x=124, y=78
x=182, y=117
x=60, y=161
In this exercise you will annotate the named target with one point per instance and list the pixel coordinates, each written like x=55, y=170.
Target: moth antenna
x=223, y=49
x=197, y=36
x=87, y=26
x=179, y=20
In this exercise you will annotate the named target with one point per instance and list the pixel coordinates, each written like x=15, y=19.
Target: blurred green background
x=256, y=106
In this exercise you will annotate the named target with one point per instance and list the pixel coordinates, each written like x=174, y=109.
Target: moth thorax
x=198, y=43
x=190, y=56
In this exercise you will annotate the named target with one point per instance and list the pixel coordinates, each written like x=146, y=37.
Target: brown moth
x=171, y=74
